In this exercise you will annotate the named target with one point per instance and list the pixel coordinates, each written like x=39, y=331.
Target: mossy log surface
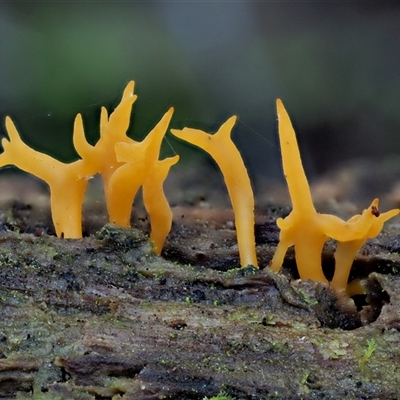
x=104, y=318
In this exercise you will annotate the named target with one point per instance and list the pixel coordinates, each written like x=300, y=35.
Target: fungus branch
x=113, y=130
x=142, y=168
x=67, y=182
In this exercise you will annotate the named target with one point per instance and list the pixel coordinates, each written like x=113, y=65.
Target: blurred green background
x=336, y=66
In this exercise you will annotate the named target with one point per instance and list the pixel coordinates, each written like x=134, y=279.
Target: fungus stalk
x=226, y=155
x=67, y=182
x=143, y=168
x=347, y=251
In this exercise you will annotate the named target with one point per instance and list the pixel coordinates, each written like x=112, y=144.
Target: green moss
x=363, y=361
x=306, y=298
x=220, y=396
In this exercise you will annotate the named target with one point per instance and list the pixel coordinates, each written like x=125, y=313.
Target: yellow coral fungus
x=346, y=251
x=124, y=164
x=127, y=165
x=304, y=228
x=226, y=155
x=142, y=168
x=112, y=130
x=67, y=182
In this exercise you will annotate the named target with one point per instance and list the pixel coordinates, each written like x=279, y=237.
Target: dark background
x=334, y=64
